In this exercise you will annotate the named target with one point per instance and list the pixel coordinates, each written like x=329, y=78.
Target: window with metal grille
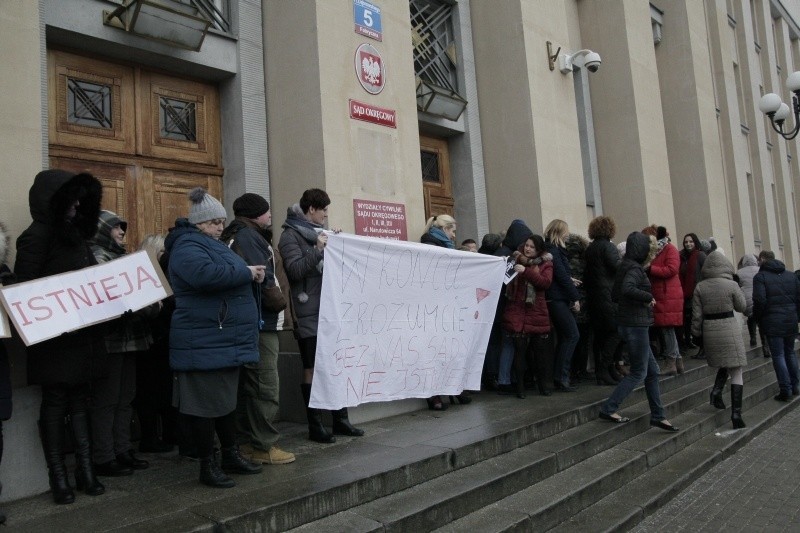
x=89, y=104
x=435, y=58
x=177, y=119
x=430, y=166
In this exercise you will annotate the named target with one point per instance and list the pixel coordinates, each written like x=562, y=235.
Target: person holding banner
x=441, y=231
x=525, y=318
x=214, y=331
x=302, y=246
x=127, y=340
x=65, y=208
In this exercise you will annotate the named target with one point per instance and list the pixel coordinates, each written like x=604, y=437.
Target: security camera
x=582, y=58
x=592, y=61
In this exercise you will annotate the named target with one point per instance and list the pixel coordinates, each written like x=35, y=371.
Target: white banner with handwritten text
x=401, y=320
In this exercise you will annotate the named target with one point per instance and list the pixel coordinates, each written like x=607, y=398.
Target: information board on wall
x=380, y=219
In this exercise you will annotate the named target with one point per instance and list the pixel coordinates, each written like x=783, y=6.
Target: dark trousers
x=605, y=346
x=567, y=335
x=203, y=432
x=111, y=407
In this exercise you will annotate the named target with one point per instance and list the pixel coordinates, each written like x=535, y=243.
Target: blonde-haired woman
x=154, y=245
x=441, y=231
x=562, y=300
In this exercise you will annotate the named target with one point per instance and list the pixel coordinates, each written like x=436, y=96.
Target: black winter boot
x=212, y=475
x=52, y=429
x=715, y=397
x=234, y=463
x=316, y=431
x=736, y=406
x=85, y=478
x=342, y=425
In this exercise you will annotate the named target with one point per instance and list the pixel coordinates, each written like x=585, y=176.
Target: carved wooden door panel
x=148, y=137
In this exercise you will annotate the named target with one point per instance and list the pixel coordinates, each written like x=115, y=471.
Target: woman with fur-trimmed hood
x=713, y=304
x=65, y=208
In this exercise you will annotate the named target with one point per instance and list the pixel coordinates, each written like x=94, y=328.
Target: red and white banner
x=45, y=308
x=401, y=320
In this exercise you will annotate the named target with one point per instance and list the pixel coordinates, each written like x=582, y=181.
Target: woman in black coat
x=602, y=258
x=65, y=209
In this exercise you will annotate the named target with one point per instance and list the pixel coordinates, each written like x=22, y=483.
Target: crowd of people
x=628, y=303
x=200, y=369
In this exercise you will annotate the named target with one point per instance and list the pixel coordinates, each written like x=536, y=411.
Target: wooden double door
x=148, y=137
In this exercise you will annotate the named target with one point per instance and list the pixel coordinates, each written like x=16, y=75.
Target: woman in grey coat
x=748, y=268
x=713, y=304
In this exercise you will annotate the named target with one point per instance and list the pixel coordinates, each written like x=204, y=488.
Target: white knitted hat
x=204, y=206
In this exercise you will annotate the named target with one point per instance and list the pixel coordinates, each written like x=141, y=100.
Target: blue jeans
x=643, y=367
x=784, y=362
x=506, y=359
x=567, y=336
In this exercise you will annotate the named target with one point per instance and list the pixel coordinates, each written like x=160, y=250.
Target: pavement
x=756, y=489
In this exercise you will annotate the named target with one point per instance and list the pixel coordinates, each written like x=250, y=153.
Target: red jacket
x=667, y=289
x=522, y=317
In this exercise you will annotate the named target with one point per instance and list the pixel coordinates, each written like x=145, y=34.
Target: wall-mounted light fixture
x=777, y=111
x=551, y=56
x=439, y=101
x=166, y=21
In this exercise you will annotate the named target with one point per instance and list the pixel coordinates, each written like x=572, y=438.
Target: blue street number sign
x=367, y=18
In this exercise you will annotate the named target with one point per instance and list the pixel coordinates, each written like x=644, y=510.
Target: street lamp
x=777, y=111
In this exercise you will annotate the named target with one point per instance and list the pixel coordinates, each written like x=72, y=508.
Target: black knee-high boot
x=342, y=425
x=715, y=398
x=736, y=406
x=85, y=478
x=520, y=348
x=316, y=431
x=52, y=416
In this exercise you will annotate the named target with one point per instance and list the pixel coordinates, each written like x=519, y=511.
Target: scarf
x=530, y=290
x=297, y=221
x=440, y=235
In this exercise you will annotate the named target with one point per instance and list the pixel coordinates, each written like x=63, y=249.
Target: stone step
x=443, y=499
x=560, y=498
x=626, y=507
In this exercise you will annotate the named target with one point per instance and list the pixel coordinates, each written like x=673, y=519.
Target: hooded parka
x=746, y=274
x=632, y=290
x=776, y=299
x=54, y=244
x=714, y=297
